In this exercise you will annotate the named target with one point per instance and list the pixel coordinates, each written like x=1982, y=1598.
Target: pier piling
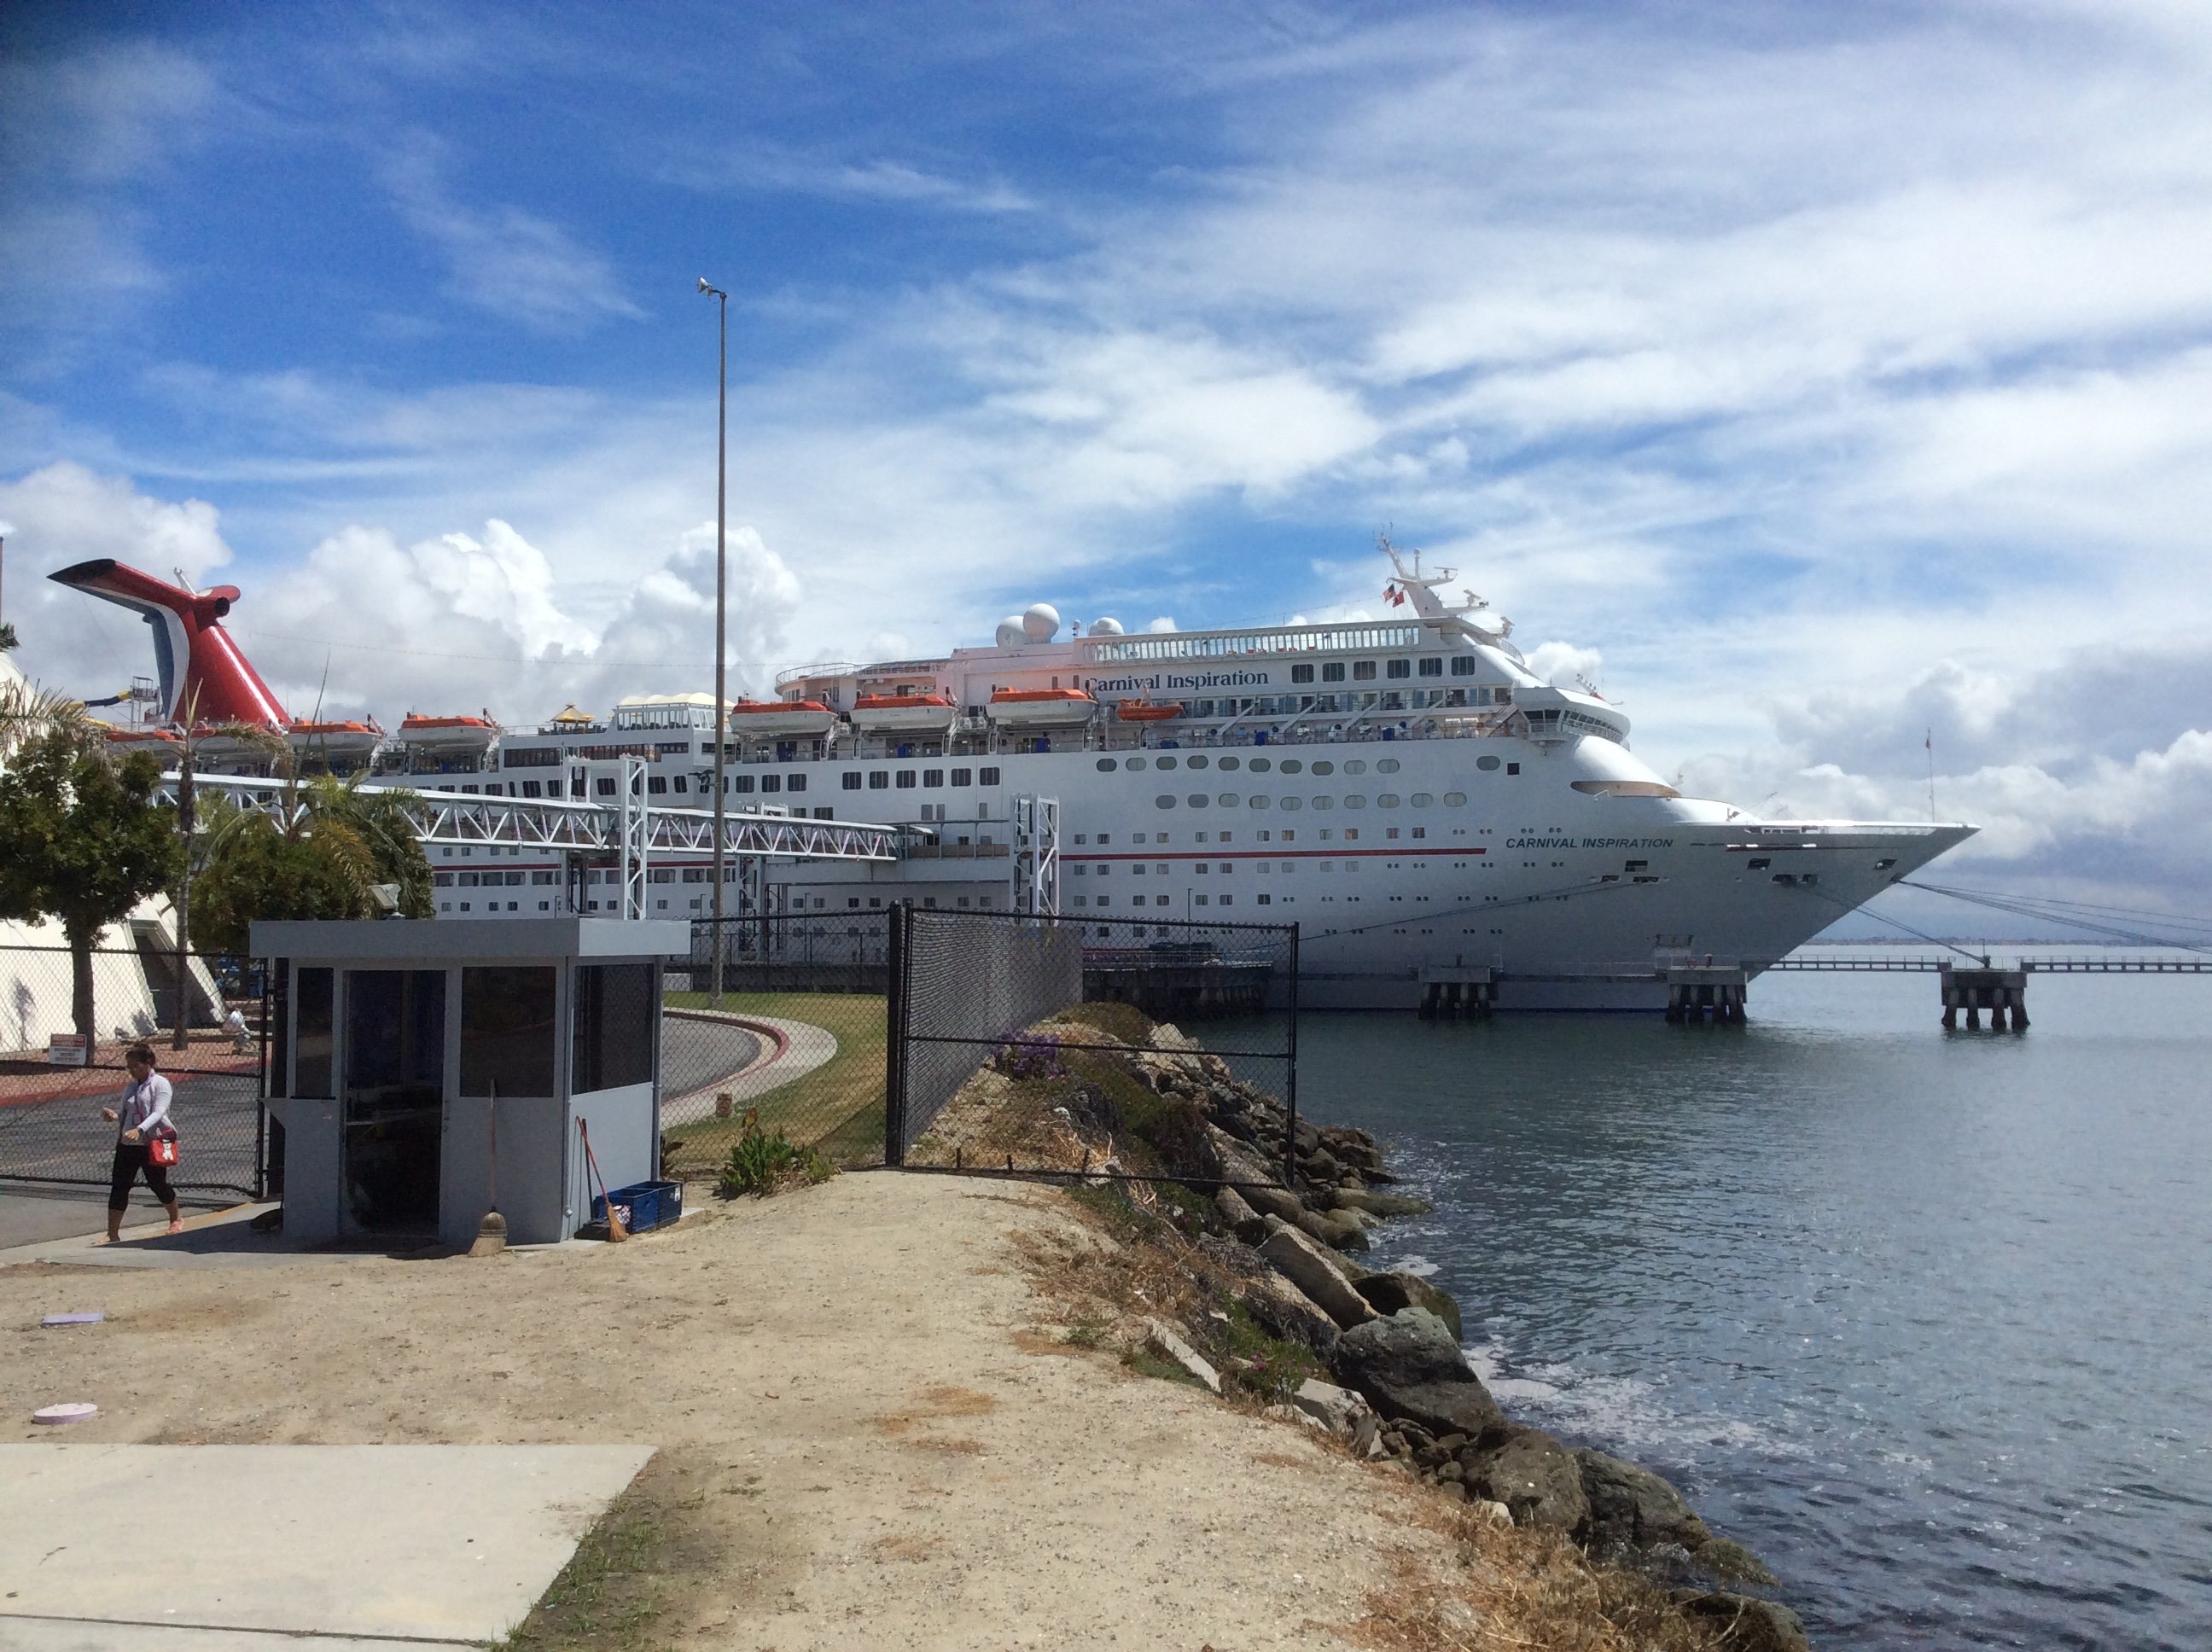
x=1974, y=989
x=1708, y=991
x=1455, y=992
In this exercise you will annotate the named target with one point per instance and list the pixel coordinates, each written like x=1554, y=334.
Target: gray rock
x=1288, y=1314
x=1339, y=1229
x=1376, y=1203
x=1409, y=1366
x=1740, y=1622
x=1632, y=1507
x=1336, y=1409
x=1367, y=1436
x=1234, y=1212
x=1538, y=1479
x=1275, y=1202
x=1453, y=1490
x=1495, y=1513
x=1165, y=1337
x=1307, y=1265
x=1730, y=1562
x=1388, y=1292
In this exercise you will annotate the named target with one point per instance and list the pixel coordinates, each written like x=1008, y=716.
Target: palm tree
x=29, y=712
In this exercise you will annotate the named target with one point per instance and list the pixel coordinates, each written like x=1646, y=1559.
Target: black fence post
x=895, y=1012
x=1291, y=1076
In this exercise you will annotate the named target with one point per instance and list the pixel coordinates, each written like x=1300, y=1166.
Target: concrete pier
x=1706, y=992
x=1455, y=991
x=1974, y=989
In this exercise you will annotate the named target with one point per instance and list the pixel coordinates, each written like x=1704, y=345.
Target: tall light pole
x=721, y=599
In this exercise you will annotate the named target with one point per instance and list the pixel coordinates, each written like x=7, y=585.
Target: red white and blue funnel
x=200, y=669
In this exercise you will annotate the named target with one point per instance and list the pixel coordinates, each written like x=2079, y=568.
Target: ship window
x=1107, y=765
x=1333, y=672
x=933, y=777
x=1398, y=668
x=1164, y=801
x=1261, y=765
x=1363, y=670
x=1291, y=766
x=606, y=787
x=531, y=788
x=1485, y=762
x=1463, y=665
x=1227, y=800
x=1292, y=803
x=1761, y=863
x=794, y=783
x=1197, y=800
x=1387, y=765
x=879, y=779
x=656, y=783
x=1324, y=766
x=771, y=782
x=1455, y=799
x=987, y=777
x=1434, y=666
x=1228, y=763
x=1164, y=762
x=851, y=781
x=1513, y=768
x=1301, y=674
x=1355, y=767
x=1388, y=800
x=1257, y=801
x=1195, y=763
x=741, y=782
x=963, y=777
x=1422, y=800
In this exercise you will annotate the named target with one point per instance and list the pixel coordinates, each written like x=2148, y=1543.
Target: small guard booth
x=424, y=1070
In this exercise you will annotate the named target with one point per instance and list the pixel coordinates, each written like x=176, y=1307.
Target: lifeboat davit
x=1041, y=707
x=163, y=743
x=781, y=719
x=339, y=745
x=904, y=713
x=1147, y=711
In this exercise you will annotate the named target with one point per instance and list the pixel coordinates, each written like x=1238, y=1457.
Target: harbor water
x=1924, y=1319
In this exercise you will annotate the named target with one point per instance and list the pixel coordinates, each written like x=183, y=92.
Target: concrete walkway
x=792, y=1049
x=146, y=1548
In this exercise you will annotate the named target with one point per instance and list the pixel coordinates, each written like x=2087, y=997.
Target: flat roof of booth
x=457, y=939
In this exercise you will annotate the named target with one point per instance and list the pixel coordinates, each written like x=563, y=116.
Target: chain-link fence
x=806, y=1065
x=793, y=952
x=1022, y=1043
x=52, y=1092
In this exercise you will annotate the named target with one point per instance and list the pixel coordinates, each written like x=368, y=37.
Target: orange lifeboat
x=1039, y=707
x=339, y=743
x=1148, y=711
x=781, y=720
x=904, y=713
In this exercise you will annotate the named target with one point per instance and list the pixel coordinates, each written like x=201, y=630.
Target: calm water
x=1924, y=1320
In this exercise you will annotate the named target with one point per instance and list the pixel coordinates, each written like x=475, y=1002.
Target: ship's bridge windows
x=1432, y=665
x=1301, y=673
x=906, y=779
x=771, y=782
x=1397, y=668
x=851, y=781
x=1463, y=665
x=1333, y=672
x=1486, y=764
x=794, y=783
x=1363, y=670
x=987, y=777
x=933, y=777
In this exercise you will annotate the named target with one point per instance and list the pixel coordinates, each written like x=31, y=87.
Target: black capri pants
x=131, y=1159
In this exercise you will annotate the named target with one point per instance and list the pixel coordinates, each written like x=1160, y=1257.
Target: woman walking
x=145, y=1108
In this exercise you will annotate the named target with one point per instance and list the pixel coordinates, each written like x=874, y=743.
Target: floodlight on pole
x=721, y=599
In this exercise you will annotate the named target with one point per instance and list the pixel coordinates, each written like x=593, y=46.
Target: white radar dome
x=1106, y=627
x=1041, y=621
x=1011, y=633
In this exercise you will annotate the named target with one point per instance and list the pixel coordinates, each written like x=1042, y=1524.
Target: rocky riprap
x=1402, y=1392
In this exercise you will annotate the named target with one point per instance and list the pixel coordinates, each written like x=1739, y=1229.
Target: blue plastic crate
x=643, y=1204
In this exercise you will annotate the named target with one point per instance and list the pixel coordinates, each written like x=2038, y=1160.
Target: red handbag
x=162, y=1145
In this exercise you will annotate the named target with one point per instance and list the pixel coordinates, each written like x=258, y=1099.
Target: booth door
x=395, y=1098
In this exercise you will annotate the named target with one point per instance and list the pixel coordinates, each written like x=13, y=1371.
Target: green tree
x=84, y=843
x=324, y=855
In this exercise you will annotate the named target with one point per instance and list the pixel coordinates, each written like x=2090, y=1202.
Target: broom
x=615, y=1232
x=491, y=1232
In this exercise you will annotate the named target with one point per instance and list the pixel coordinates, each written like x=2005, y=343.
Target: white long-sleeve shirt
x=144, y=1106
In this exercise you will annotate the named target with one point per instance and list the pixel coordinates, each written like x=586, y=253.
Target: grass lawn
x=838, y=1107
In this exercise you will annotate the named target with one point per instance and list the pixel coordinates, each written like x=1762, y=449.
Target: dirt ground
x=870, y=1432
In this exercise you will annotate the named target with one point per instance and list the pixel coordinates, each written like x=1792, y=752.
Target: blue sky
x=1809, y=377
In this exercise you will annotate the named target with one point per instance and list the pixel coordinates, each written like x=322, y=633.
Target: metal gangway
x=2073, y=965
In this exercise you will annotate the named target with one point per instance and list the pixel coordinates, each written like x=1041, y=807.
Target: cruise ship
x=1407, y=791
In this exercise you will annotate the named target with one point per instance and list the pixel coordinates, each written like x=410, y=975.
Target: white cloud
x=1161, y=626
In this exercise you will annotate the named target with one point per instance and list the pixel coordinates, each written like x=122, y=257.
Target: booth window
x=311, y=1059
x=614, y=1027
x=506, y=1030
